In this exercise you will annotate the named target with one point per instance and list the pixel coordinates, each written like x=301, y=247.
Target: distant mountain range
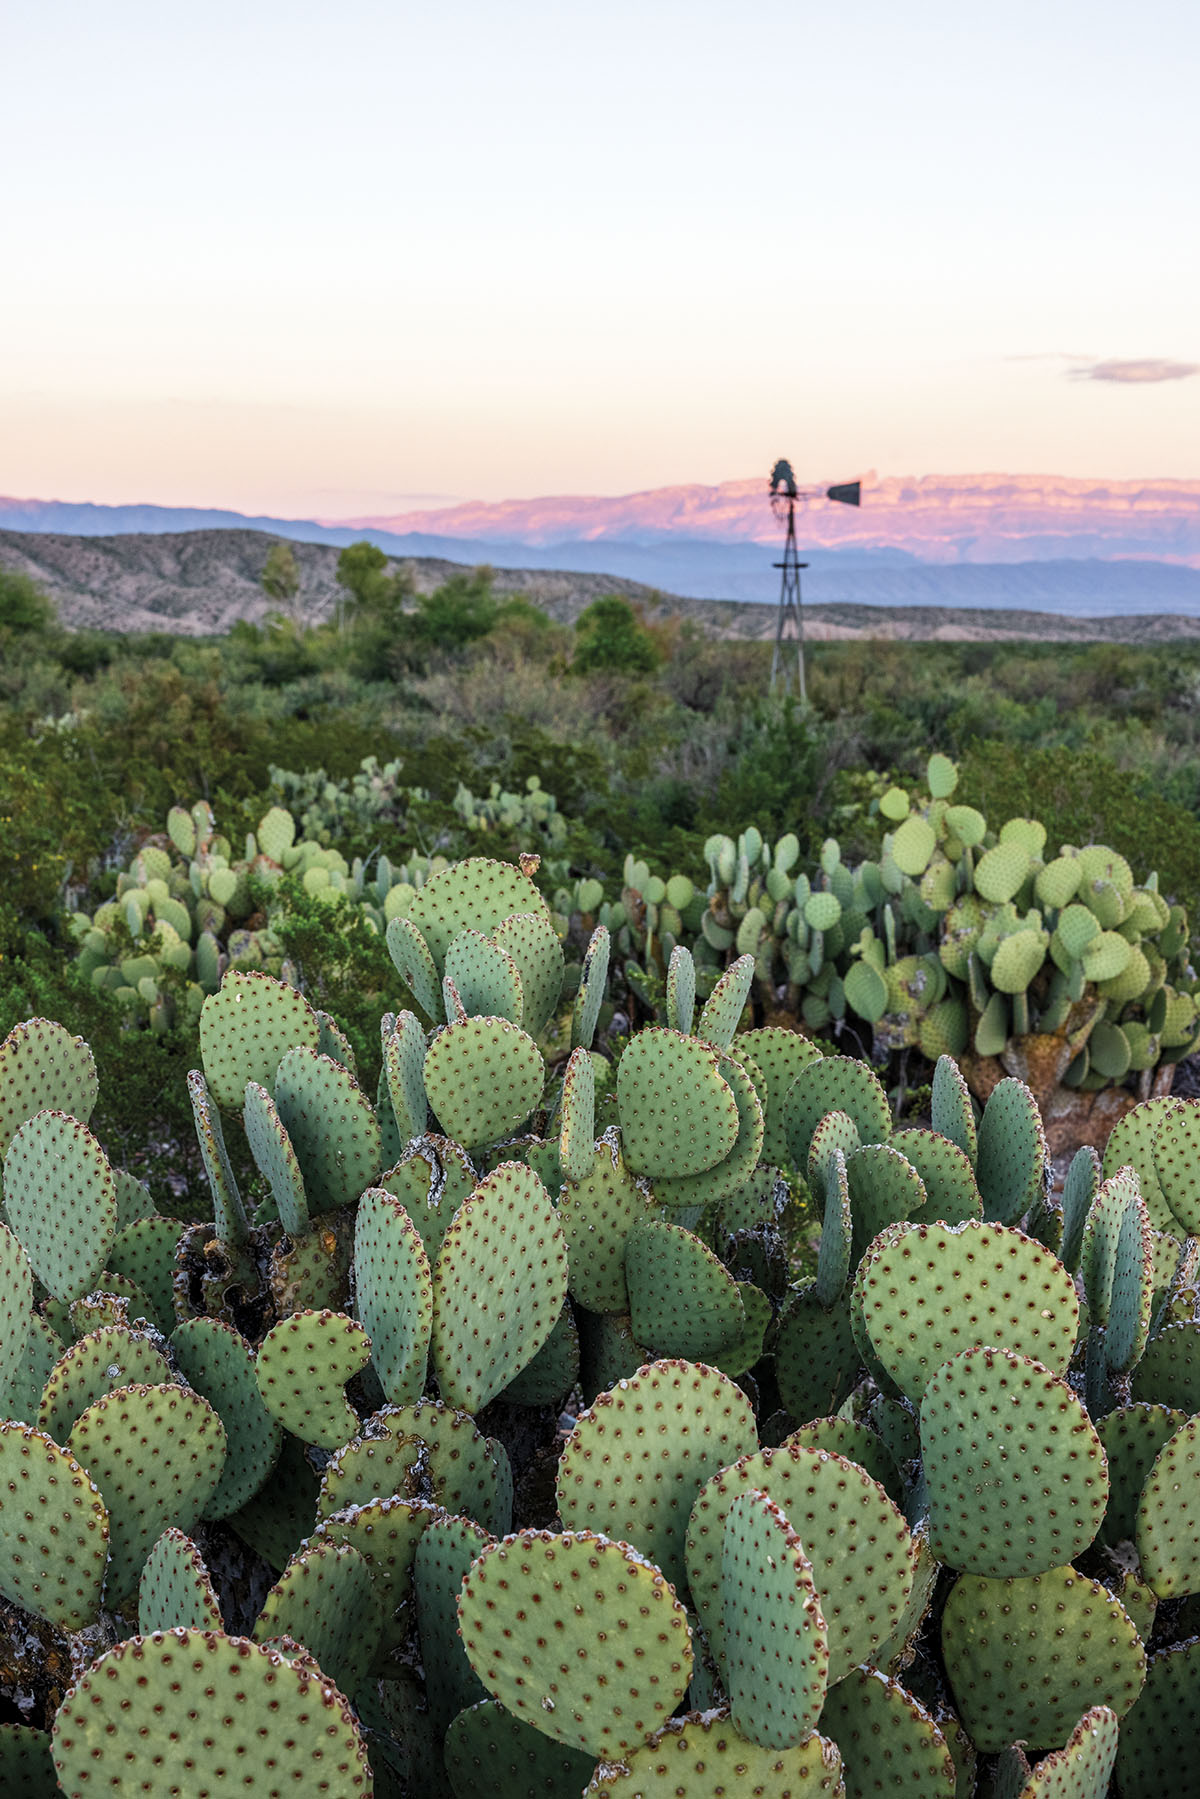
x=1047, y=543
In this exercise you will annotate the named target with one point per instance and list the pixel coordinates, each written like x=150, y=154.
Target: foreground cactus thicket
x=488, y=1440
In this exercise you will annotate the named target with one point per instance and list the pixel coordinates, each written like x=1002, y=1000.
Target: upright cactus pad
x=218, y=1362
x=485, y=978
x=529, y=938
x=835, y=1084
x=43, y=1068
x=952, y=1193
x=952, y=1113
x=1156, y=1754
x=816, y=1358
x=403, y=1064
x=488, y=1749
x=730, y=1175
x=229, y=1214
x=54, y=1530
x=443, y=1558
x=834, y=1254
x=247, y=1708
x=61, y=1200
x=174, y=1591
x=332, y=1126
x=247, y=1028
x=889, y=1742
x=111, y=1357
x=476, y=894
x=16, y=1306
x=414, y=964
x=607, y=1621
x=394, y=1291
x=681, y=990
x=838, y=1132
x=385, y=1533
x=682, y=1300
x=1176, y=1151
x=637, y=1458
x=302, y=1368
x=1169, y=1372
x=597, y=1213
x=678, y=1114
x=1131, y=1144
x=1079, y=1190
x=776, y=1642
x=585, y=1014
x=1167, y=1526
x=275, y=1156
x=703, y=1756
x=885, y=1189
x=1082, y=1769
x=779, y=1055
x=326, y=1599
x=483, y=1077
x=726, y=1003
x=577, y=1133
x=1012, y=1152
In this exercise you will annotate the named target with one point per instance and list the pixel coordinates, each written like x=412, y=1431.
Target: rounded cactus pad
x=1132, y=1437
x=862, y=1554
x=816, y=1358
x=703, y=1756
x=275, y=1157
x=637, y=1458
x=431, y=1180
x=585, y=1014
x=606, y=1656
x=836, y=1131
x=678, y=1114
x=22, y=1395
x=61, y=1200
x=1012, y=1152
x=1169, y=1371
x=931, y=1290
x=43, y=1068
x=952, y=1114
x=16, y=1306
x=1015, y=1471
x=597, y=1213
x=444, y=1555
x=1026, y=1657
x=856, y=1443
x=577, y=1134
x=332, y=1125
x=682, y=1300
x=218, y=1362
x=1131, y=1143
x=478, y=894
x=26, y=1765
x=229, y=1214
x=1157, y=1750
x=952, y=1194
x=326, y=1599
x=247, y=1708
x=54, y=1530
x=403, y=1062
x=776, y=1643
x=730, y=1175
x=498, y=1286
x=835, y=1084
x=1176, y=1151
x=485, y=977
x=144, y=1252
x=885, y=1189
x=118, y=1439
x=1167, y=1527
x=489, y=1750
x=1079, y=1190
x=246, y=1029
x=888, y=1741
x=393, y=1286
x=554, y=1370
x=385, y=1533
x=1083, y=1768
x=530, y=939
x=302, y=1367
x=384, y=1464
x=483, y=1077
x=779, y=1055
x=175, y=1592
x=725, y=1004
x=113, y=1356
x=414, y=964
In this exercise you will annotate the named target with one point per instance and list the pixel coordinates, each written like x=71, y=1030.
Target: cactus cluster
x=496, y=1441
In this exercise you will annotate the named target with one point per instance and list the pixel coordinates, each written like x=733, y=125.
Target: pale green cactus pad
x=1079, y=1190
x=682, y=1300
x=385, y=1532
x=462, y=1466
x=1176, y=1151
x=125, y=1713
x=775, y=1639
x=111, y=1357
x=218, y=1362
x=952, y=1193
x=862, y=1553
x=386, y=1462
x=577, y=1133
x=478, y=894
x=133, y=1198
x=1074, y=1643
x=488, y=1750
x=414, y=964
x=731, y=1174
x=26, y=1765
x=529, y=938
x=61, y=1200
x=247, y=1028
x=597, y=1213
x=394, y=1294
x=144, y=1252
x=1102, y=1231
x=498, y=1286
x=16, y=1307
x=835, y=1084
x=444, y=1554
x=229, y=1213
x=1167, y=1527
x=54, y=1530
x=327, y=1599
x=483, y=1077
x=889, y=1742
x=1131, y=1144
x=633, y=1642
x=681, y=990
x=837, y=1131
x=1157, y=1750
x=332, y=1126
x=816, y=1358
x=1169, y=1371
x=43, y=1069
x=952, y=1112
x=885, y=1189
x=834, y=1253
x=585, y=1014
x=431, y=1180
x=1132, y=1437
x=703, y=1756
x=117, y=1438
x=554, y=1370
x=23, y=1395
x=725, y=1004
x=856, y=1443
x=779, y=1055
x=637, y=1458
x=175, y=1592
x=678, y=1114
x=302, y=1368
x=933, y=1289
x=275, y=1156
x=403, y=1063
x=999, y=1433
x=485, y=977
x=1132, y=1295
x=1012, y=1152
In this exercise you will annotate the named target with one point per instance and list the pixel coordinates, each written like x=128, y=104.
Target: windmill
x=789, y=625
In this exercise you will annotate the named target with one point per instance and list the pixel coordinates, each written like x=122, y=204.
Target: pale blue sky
x=321, y=258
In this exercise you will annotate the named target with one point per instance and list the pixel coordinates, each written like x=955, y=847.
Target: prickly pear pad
x=26, y=1765
x=326, y=1599
x=837, y=1131
x=302, y=1368
x=483, y=1078
x=444, y=1555
x=498, y=1287
x=111, y=1357
x=1016, y=1473
x=245, y=1031
x=1131, y=1144
x=612, y=1655
x=585, y=1014
x=529, y=938
x=1079, y=1190
x=1169, y=1372
x=485, y=977
x=332, y=1126
x=1167, y=1529
x=1132, y=1289
x=218, y=1362
x=229, y=1214
x=53, y=1530
x=678, y=1115
x=835, y=1084
x=681, y=990
x=847, y=1437
x=61, y=1200
x=885, y=1189
x=726, y=1003
x=682, y=1300
x=1074, y=1644
x=816, y=1358
x=952, y=1114
x=779, y=1055
x=477, y=893
x=702, y=1755
x=1012, y=1152
x=554, y=1370
x=275, y=1157
x=403, y=1062
x=776, y=1643
x=731, y=1174
x=394, y=1293
x=862, y=1554
x=934, y=1289
x=577, y=1135
x=144, y=1252
x=637, y=1458
x=1083, y=1768
x=488, y=1750
x=1157, y=1751
x=414, y=964
x=1132, y=1437
x=889, y=1742
x=950, y=1186
x=385, y=1532
x=175, y=1592
x=125, y=1714
x=1176, y=1151
x=16, y=1306
x=833, y=1256
x=597, y=1213
x=461, y=1465
x=42, y=1067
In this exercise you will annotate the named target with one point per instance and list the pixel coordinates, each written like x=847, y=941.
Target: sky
x=325, y=259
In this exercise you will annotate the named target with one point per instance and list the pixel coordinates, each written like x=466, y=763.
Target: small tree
x=280, y=579
x=362, y=571
x=610, y=637
x=24, y=608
